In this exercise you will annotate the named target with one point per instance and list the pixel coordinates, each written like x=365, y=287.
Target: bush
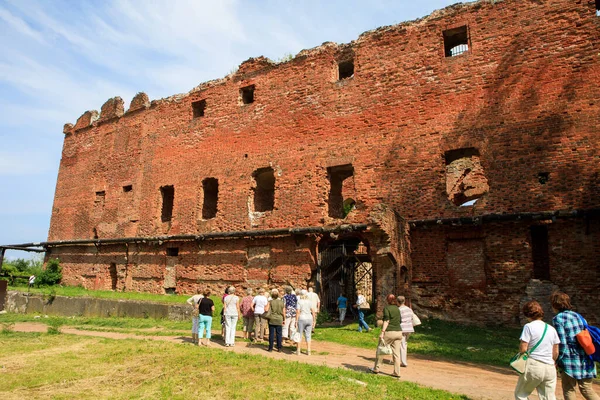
x=51, y=275
x=322, y=317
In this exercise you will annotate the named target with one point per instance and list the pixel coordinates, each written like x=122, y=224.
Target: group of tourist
x=291, y=317
x=554, y=346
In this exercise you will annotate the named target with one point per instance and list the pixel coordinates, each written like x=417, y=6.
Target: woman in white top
x=231, y=312
x=406, y=317
x=540, y=372
x=305, y=318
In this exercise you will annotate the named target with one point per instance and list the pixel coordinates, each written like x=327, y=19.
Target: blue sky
x=61, y=58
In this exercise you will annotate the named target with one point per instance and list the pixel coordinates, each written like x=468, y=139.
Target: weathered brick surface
x=524, y=96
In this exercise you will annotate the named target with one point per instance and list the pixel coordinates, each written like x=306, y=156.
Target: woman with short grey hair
x=247, y=314
x=231, y=312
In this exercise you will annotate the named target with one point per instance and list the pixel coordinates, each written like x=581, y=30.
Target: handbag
x=383, y=348
x=296, y=337
x=416, y=321
x=585, y=339
x=364, y=305
x=519, y=360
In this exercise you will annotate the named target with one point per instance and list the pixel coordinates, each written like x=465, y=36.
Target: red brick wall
x=525, y=96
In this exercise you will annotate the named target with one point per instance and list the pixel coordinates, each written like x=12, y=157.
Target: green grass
x=76, y=367
x=78, y=291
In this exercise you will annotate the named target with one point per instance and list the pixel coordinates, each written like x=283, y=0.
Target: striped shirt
x=571, y=357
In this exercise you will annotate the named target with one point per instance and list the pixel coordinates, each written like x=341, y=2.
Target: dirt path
x=475, y=381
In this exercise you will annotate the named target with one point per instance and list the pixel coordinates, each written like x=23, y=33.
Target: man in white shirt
x=258, y=307
x=315, y=303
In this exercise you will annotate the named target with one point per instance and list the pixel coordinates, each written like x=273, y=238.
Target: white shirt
x=259, y=302
x=230, y=304
x=360, y=300
x=304, y=308
x=194, y=299
x=406, y=315
x=314, y=300
x=532, y=332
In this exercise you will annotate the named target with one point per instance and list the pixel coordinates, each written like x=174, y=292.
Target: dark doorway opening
x=540, y=254
x=344, y=267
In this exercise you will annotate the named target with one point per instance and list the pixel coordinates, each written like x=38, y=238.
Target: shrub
x=52, y=274
x=322, y=317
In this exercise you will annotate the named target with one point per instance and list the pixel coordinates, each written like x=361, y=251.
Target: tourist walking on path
x=391, y=334
x=315, y=302
x=577, y=369
x=361, y=302
x=406, y=323
x=193, y=301
x=342, y=305
x=305, y=317
x=258, y=307
x=541, y=341
x=206, y=308
x=291, y=302
x=276, y=320
x=247, y=314
x=231, y=312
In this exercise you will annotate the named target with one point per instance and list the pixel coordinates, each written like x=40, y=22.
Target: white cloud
x=20, y=25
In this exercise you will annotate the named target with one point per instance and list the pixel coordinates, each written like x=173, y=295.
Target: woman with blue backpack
x=577, y=368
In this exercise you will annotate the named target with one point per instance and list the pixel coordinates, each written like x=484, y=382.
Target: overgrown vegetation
x=18, y=271
x=105, y=368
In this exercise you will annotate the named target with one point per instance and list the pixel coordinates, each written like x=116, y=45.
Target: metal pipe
x=205, y=236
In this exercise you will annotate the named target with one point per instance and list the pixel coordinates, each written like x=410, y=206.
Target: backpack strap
x=541, y=339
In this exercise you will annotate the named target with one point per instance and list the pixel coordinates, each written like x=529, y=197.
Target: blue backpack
x=595, y=334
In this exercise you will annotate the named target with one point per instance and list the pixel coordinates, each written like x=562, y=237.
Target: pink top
x=246, y=306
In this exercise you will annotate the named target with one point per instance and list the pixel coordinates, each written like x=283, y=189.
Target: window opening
x=346, y=69
x=247, y=94
x=543, y=177
x=465, y=178
x=198, y=108
x=264, y=192
x=112, y=270
x=172, y=251
x=211, y=198
x=456, y=41
x=337, y=176
x=540, y=255
x=597, y=8
x=127, y=188
x=168, y=196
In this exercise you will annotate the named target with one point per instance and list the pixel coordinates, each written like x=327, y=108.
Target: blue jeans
x=274, y=330
x=361, y=321
x=204, y=322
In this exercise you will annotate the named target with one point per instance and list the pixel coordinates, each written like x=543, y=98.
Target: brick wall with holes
x=510, y=87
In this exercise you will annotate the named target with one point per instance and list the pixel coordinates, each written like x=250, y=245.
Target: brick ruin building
x=454, y=159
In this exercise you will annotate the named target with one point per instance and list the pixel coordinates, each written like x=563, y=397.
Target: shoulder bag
x=416, y=321
x=364, y=305
x=519, y=361
x=584, y=338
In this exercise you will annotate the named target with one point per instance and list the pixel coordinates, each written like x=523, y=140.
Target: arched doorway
x=344, y=266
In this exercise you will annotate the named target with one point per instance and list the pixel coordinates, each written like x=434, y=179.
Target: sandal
x=373, y=371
